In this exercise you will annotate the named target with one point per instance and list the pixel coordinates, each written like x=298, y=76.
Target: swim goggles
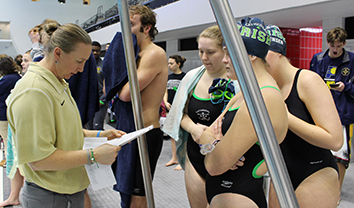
x=208, y=148
x=222, y=90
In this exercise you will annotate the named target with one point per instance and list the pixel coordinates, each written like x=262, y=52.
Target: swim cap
x=278, y=43
x=255, y=36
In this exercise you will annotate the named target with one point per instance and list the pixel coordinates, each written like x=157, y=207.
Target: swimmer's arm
x=186, y=122
x=208, y=136
x=327, y=132
x=241, y=135
x=151, y=64
x=165, y=100
x=195, y=129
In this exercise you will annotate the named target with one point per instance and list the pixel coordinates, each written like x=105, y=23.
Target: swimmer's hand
x=239, y=163
x=217, y=130
x=197, y=132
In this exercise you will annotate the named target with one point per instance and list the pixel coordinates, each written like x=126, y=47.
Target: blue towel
x=114, y=65
x=116, y=76
x=84, y=89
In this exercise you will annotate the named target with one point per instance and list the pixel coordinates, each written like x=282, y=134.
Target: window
x=188, y=44
x=349, y=22
x=162, y=44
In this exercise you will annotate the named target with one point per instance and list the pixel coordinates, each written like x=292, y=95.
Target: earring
x=56, y=62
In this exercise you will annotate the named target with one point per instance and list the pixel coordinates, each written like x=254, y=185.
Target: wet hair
x=336, y=34
x=214, y=33
x=7, y=66
x=65, y=37
x=178, y=59
x=95, y=43
x=147, y=17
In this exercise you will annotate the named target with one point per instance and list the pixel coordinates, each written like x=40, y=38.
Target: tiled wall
x=292, y=37
x=302, y=44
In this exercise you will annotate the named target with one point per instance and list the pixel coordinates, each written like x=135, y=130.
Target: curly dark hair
x=147, y=17
x=7, y=66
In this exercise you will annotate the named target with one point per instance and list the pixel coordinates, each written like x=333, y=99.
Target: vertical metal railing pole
x=255, y=104
x=135, y=98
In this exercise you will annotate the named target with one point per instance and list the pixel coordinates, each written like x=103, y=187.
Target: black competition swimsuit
x=242, y=181
x=302, y=158
x=204, y=112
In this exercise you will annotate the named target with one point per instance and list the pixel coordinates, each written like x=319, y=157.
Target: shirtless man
x=152, y=73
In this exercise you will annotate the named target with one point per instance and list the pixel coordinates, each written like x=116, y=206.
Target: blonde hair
x=65, y=37
x=214, y=33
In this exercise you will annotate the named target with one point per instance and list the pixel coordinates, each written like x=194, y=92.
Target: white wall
x=190, y=13
x=24, y=14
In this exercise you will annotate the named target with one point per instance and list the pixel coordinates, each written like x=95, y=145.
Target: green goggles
x=219, y=94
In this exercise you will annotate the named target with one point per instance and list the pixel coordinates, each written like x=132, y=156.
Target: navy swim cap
x=278, y=43
x=255, y=36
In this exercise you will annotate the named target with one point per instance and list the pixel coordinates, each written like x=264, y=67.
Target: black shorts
x=154, y=143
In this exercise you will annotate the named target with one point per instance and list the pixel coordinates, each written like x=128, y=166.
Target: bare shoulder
x=154, y=58
x=309, y=76
x=271, y=93
x=155, y=53
x=310, y=83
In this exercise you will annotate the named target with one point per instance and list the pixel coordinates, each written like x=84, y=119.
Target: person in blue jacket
x=9, y=75
x=335, y=66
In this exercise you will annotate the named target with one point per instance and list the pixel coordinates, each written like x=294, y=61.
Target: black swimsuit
x=302, y=158
x=201, y=111
x=243, y=180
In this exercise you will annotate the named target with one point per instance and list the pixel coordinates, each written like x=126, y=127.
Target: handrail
x=114, y=19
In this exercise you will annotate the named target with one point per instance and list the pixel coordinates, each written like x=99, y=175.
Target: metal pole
x=255, y=104
x=135, y=98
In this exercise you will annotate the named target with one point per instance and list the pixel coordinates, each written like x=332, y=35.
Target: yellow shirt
x=44, y=117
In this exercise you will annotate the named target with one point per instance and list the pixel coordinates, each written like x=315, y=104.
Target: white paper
x=126, y=138
x=102, y=176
